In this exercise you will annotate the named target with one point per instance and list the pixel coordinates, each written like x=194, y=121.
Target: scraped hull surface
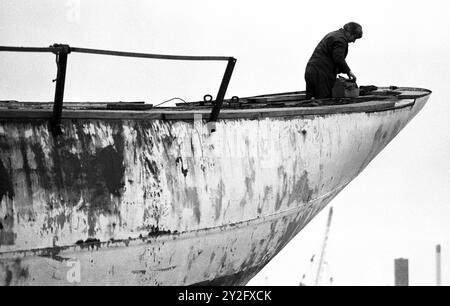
x=158, y=202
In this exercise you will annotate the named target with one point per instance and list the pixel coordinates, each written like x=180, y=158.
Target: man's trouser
x=318, y=82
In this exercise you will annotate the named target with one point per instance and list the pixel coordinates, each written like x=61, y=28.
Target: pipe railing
x=62, y=52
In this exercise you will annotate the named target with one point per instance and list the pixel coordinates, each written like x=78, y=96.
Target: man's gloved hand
x=351, y=76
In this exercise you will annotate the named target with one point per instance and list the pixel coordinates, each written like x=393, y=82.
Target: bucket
x=344, y=88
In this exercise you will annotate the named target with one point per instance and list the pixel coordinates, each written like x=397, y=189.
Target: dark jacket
x=329, y=55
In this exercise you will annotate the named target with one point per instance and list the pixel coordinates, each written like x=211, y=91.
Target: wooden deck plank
x=154, y=114
x=255, y=108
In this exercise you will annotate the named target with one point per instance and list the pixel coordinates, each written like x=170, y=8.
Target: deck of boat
x=272, y=105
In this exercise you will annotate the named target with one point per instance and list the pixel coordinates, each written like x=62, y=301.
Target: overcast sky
x=398, y=207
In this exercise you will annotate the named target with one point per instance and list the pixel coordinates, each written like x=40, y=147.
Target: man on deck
x=328, y=60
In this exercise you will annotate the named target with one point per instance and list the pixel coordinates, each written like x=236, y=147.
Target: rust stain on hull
x=166, y=203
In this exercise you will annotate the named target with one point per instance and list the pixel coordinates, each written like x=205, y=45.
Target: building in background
x=401, y=272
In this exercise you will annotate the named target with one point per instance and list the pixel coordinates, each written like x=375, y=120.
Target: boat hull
x=164, y=202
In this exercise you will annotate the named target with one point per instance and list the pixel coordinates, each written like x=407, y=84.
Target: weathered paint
x=155, y=202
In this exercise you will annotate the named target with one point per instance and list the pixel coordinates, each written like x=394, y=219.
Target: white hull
x=188, y=207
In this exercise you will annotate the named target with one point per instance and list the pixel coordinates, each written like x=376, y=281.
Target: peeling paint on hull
x=160, y=202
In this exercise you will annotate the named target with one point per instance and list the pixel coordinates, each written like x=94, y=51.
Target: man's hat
x=354, y=28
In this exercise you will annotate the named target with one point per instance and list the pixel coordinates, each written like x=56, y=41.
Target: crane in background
x=309, y=277
x=323, y=250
